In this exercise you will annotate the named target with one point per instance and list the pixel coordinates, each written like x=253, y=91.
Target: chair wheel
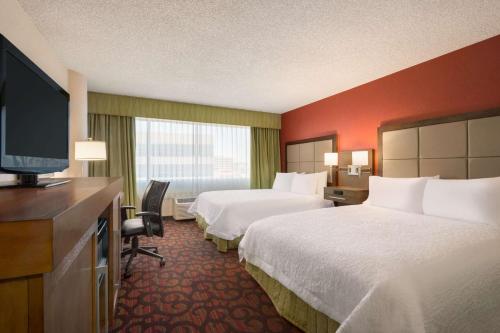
x=162, y=263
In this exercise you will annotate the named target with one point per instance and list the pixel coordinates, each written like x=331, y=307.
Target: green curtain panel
x=265, y=157
x=128, y=106
x=119, y=135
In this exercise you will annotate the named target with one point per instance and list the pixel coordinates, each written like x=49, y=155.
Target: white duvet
x=230, y=213
x=380, y=270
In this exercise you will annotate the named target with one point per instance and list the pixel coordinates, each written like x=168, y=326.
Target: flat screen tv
x=34, y=119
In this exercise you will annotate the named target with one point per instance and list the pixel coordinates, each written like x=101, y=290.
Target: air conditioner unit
x=181, y=207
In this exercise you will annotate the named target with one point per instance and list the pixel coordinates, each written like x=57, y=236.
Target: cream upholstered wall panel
x=320, y=167
x=307, y=167
x=443, y=140
x=484, y=137
x=400, y=153
x=446, y=168
x=469, y=148
x=484, y=147
x=306, y=152
x=400, y=144
x=292, y=153
x=401, y=168
x=309, y=156
x=320, y=148
x=292, y=167
x=484, y=167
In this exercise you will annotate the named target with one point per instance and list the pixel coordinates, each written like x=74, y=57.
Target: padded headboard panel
x=308, y=155
x=454, y=147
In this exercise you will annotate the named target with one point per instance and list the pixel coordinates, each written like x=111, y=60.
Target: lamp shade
x=360, y=157
x=90, y=150
x=331, y=159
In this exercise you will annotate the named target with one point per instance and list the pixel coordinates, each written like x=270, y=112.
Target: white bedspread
x=230, y=213
x=379, y=270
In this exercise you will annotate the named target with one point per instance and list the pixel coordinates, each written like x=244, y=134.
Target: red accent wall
x=461, y=81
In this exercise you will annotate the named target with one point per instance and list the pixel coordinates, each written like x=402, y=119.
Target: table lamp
x=90, y=150
x=331, y=160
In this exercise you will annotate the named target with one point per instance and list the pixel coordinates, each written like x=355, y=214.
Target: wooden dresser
x=48, y=255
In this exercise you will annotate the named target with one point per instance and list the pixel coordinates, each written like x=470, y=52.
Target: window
x=194, y=157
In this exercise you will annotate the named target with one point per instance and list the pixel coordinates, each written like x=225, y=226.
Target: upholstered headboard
x=308, y=155
x=460, y=147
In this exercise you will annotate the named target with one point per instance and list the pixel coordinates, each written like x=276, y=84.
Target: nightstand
x=345, y=195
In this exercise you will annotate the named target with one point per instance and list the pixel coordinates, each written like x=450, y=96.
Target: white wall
x=18, y=27
x=77, y=88
x=78, y=121
x=20, y=30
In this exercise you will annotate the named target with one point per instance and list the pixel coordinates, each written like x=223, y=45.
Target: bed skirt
x=222, y=244
x=290, y=306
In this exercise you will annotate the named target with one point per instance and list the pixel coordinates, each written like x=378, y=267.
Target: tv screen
x=35, y=117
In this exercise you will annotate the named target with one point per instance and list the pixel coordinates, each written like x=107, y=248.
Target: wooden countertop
x=25, y=204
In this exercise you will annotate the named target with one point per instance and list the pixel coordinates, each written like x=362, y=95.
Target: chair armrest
x=147, y=214
x=123, y=212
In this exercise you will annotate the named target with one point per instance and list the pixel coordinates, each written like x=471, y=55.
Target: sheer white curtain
x=194, y=157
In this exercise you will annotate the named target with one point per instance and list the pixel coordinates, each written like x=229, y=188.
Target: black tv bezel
x=56, y=165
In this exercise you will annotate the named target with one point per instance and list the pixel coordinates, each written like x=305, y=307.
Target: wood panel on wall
x=461, y=81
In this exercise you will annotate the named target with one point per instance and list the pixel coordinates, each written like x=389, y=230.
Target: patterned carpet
x=198, y=290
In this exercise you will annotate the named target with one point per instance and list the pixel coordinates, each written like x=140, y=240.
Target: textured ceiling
x=267, y=55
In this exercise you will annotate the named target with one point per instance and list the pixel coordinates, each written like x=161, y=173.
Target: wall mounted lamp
x=359, y=160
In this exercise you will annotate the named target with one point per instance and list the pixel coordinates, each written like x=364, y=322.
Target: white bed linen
x=229, y=213
x=374, y=269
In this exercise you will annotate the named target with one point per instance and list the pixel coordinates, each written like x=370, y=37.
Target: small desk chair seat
x=133, y=227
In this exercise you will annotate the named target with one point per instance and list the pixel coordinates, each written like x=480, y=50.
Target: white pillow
x=321, y=182
x=404, y=194
x=305, y=184
x=475, y=200
x=283, y=181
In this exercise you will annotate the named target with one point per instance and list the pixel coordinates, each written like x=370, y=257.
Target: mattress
x=380, y=270
x=228, y=214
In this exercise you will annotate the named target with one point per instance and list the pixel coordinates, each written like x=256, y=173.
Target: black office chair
x=148, y=223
